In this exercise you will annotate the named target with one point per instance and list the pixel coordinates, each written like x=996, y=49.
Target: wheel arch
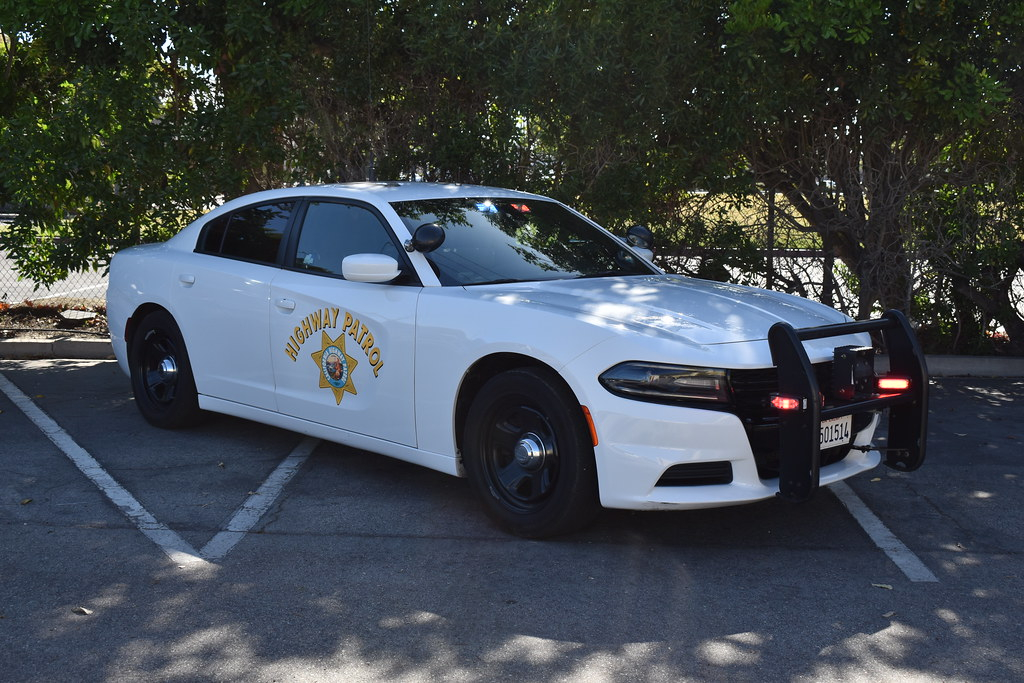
x=528, y=455
x=131, y=325
x=484, y=369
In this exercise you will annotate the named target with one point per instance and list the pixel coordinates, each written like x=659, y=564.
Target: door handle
x=186, y=279
x=285, y=304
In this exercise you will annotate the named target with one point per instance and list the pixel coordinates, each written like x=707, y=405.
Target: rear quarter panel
x=138, y=275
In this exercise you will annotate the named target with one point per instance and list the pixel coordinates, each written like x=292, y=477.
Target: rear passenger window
x=253, y=233
x=213, y=235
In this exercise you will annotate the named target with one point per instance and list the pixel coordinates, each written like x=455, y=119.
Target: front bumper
x=641, y=442
x=656, y=456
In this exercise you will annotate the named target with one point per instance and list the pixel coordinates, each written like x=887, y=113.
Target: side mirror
x=426, y=239
x=642, y=241
x=640, y=237
x=369, y=268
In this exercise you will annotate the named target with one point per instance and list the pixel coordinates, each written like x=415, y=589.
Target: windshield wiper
x=601, y=273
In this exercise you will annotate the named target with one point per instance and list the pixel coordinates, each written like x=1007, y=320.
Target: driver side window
x=332, y=231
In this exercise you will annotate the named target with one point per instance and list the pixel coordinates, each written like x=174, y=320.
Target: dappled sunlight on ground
x=372, y=569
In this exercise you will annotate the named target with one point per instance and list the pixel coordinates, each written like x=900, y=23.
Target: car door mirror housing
x=369, y=268
x=642, y=241
x=426, y=239
x=640, y=237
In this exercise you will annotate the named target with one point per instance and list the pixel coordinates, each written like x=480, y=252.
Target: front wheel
x=528, y=454
x=162, y=381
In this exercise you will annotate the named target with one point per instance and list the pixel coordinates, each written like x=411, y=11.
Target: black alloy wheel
x=161, y=374
x=528, y=454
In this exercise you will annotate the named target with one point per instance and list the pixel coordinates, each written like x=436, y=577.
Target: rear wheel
x=162, y=381
x=528, y=454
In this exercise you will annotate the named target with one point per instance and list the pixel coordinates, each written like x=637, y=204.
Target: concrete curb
x=59, y=347
x=966, y=366
x=975, y=366
x=100, y=349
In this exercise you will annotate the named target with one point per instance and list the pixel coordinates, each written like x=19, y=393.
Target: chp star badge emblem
x=335, y=365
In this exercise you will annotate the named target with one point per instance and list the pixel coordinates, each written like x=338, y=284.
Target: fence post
x=771, y=239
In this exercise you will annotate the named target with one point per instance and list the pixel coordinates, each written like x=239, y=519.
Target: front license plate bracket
x=835, y=432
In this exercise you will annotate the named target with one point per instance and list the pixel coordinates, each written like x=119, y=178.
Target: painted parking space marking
x=250, y=512
x=172, y=545
x=259, y=502
x=904, y=558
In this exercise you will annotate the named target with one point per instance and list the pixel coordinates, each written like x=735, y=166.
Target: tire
x=528, y=454
x=162, y=381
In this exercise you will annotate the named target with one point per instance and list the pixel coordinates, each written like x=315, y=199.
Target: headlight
x=666, y=383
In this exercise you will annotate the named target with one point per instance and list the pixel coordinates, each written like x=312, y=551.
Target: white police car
x=503, y=336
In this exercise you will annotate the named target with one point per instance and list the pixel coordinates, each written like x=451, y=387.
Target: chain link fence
x=72, y=306
x=87, y=289
x=807, y=273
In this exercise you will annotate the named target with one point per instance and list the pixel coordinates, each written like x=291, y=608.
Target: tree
x=892, y=130
x=972, y=288
x=621, y=104
x=854, y=108
x=91, y=113
x=121, y=122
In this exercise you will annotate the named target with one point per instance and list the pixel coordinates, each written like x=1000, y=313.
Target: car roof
x=382, y=192
x=378, y=194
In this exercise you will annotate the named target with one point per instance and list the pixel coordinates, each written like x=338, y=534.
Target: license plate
x=836, y=432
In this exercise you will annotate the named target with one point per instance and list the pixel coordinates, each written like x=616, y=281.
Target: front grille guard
x=799, y=430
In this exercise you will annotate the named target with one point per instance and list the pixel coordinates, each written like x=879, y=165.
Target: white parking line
x=173, y=545
x=258, y=503
x=901, y=555
x=180, y=551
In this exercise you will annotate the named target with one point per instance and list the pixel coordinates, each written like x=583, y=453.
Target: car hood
x=697, y=311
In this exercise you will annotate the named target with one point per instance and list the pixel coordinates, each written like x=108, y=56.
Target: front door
x=343, y=351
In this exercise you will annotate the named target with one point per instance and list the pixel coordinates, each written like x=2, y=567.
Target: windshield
x=490, y=240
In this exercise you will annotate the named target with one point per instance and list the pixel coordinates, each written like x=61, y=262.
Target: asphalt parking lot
x=266, y=557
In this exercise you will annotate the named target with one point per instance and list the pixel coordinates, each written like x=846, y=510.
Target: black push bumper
x=800, y=429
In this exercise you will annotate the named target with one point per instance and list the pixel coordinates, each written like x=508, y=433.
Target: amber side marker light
x=590, y=424
x=893, y=383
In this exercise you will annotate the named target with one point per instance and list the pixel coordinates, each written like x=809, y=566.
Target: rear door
x=221, y=302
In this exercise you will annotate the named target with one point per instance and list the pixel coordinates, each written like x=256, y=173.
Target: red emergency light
x=781, y=402
x=893, y=383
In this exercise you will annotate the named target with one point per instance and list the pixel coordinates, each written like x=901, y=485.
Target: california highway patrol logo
x=333, y=362
x=335, y=365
